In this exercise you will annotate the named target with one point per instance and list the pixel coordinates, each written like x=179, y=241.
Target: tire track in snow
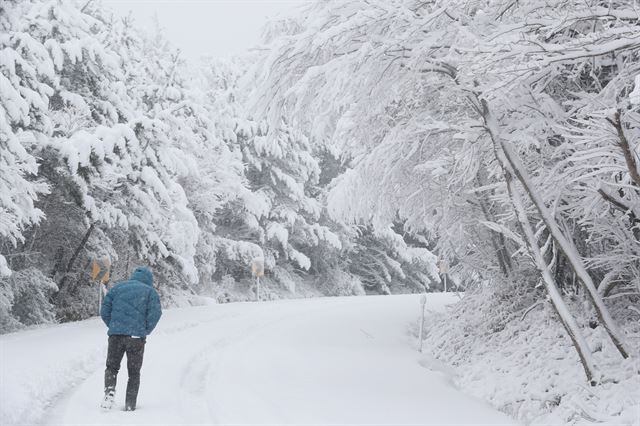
x=321, y=361
x=197, y=389
x=180, y=358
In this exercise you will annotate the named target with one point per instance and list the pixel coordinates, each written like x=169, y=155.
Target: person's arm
x=105, y=309
x=154, y=311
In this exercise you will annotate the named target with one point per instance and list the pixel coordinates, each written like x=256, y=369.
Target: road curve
x=314, y=361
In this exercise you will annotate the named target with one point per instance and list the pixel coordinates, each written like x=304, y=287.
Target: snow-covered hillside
x=316, y=361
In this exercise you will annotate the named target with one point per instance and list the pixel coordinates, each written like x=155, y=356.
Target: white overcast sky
x=207, y=27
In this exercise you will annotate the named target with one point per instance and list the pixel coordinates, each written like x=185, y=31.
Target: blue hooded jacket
x=132, y=307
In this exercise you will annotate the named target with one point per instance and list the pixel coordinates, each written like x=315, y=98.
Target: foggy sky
x=206, y=27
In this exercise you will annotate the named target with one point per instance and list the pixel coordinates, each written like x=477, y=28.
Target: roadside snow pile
x=280, y=285
x=37, y=366
x=528, y=368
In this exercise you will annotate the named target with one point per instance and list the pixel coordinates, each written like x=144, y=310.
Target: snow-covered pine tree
x=383, y=260
x=275, y=214
x=226, y=209
x=25, y=71
x=113, y=129
x=281, y=170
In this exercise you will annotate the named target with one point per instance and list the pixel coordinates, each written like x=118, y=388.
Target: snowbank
x=528, y=368
x=38, y=365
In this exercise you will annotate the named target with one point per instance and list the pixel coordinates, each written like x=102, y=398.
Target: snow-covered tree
x=114, y=127
x=455, y=110
x=25, y=71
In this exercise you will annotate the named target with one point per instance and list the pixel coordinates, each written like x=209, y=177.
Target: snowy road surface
x=314, y=361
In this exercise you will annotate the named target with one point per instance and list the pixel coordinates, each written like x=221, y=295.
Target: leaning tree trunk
x=74, y=256
x=547, y=217
x=632, y=166
x=566, y=318
x=498, y=241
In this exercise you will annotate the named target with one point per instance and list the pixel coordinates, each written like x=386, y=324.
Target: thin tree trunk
x=75, y=255
x=500, y=246
x=567, y=248
x=629, y=156
x=634, y=222
x=566, y=318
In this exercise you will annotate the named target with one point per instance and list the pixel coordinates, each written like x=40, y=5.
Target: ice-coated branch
x=566, y=318
x=567, y=248
x=629, y=155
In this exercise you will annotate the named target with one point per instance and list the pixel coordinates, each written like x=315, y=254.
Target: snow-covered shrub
x=385, y=262
x=524, y=364
x=340, y=283
x=226, y=290
x=25, y=299
x=78, y=301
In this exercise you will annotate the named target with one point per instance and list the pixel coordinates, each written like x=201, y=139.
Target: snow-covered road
x=314, y=361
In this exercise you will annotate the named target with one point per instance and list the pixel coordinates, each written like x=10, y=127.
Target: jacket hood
x=143, y=274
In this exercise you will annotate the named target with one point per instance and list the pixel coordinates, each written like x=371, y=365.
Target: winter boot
x=107, y=402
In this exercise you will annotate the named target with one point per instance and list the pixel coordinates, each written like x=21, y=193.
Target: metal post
x=99, y=296
x=258, y=287
x=443, y=268
x=257, y=269
x=423, y=302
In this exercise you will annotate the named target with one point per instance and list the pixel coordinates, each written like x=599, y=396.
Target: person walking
x=131, y=310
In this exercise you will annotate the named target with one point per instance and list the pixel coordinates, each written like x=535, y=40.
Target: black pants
x=134, y=348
